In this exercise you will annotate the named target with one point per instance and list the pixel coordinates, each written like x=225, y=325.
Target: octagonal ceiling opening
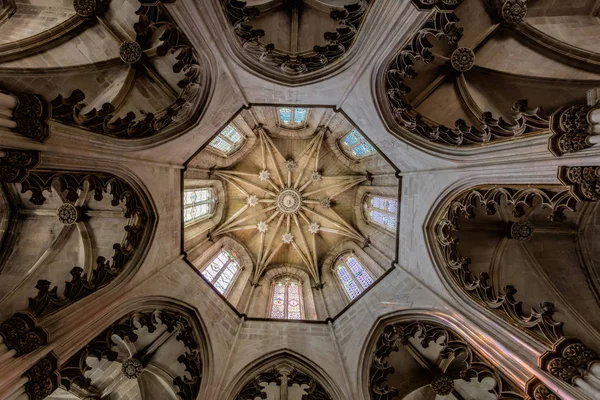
x=290, y=212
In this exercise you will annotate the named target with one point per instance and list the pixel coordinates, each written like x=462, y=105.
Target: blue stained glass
x=352, y=138
x=285, y=115
x=300, y=115
x=349, y=285
x=388, y=221
x=221, y=271
x=293, y=303
x=278, y=303
x=357, y=269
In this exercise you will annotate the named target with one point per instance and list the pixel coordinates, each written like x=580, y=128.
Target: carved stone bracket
x=473, y=366
x=569, y=359
x=536, y=390
x=583, y=181
x=71, y=184
x=440, y=5
x=539, y=323
x=350, y=19
x=31, y=114
x=444, y=26
x=73, y=371
x=43, y=378
x=16, y=164
x=21, y=334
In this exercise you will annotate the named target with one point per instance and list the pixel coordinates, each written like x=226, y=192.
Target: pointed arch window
x=356, y=146
x=286, y=300
x=198, y=204
x=292, y=117
x=227, y=141
x=222, y=270
x=353, y=276
x=382, y=211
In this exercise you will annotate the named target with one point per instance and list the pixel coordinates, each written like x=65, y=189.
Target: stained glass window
x=356, y=145
x=221, y=271
x=197, y=204
x=383, y=211
x=353, y=276
x=292, y=117
x=227, y=141
x=287, y=300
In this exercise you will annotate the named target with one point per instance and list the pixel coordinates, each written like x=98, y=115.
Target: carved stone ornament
x=16, y=164
x=570, y=130
x=536, y=390
x=316, y=176
x=325, y=202
x=21, y=334
x=538, y=322
x=288, y=201
x=71, y=184
x=442, y=385
x=569, y=359
x=31, y=114
x=462, y=59
x=287, y=238
x=402, y=68
x=130, y=52
x=84, y=8
x=291, y=165
x=514, y=11
x=43, y=378
x=102, y=347
x=442, y=5
x=454, y=347
x=521, y=231
x=68, y=214
x=132, y=368
x=583, y=181
x=264, y=175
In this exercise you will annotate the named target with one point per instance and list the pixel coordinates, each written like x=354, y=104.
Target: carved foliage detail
x=584, y=181
x=441, y=5
x=570, y=130
x=396, y=335
x=350, y=18
x=557, y=199
x=73, y=371
x=536, y=390
x=21, y=334
x=568, y=359
x=43, y=378
x=282, y=376
x=81, y=285
x=16, y=164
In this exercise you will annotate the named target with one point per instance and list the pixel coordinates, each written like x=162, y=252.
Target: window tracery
x=356, y=146
x=222, y=271
x=286, y=300
x=292, y=117
x=198, y=203
x=382, y=211
x=353, y=276
x=227, y=141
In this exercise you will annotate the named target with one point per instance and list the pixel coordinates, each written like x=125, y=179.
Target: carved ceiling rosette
x=440, y=5
x=295, y=64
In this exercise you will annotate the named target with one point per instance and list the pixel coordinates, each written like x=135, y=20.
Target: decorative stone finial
x=514, y=11
x=262, y=227
x=130, y=52
x=325, y=202
x=291, y=164
x=132, y=368
x=316, y=176
x=252, y=200
x=314, y=228
x=67, y=214
x=462, y=59
x=521, y=231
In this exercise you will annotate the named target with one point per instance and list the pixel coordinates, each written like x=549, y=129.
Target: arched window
x=198, y=204
x=356, y=146
x=228, y=141
x=222, y=270
x=353, y=276
x=292, y=117
x=286, y=300
x=382, y=211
